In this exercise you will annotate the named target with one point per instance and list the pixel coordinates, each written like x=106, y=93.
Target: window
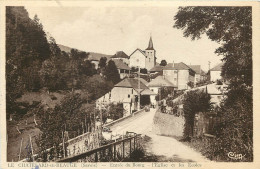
x=175, y=79
x=149, y=59
x=129, y=96
x=175, y=71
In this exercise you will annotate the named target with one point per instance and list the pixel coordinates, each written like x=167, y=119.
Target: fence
x=115, y=151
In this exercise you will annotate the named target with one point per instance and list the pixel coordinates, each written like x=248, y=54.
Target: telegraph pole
x=139, y=90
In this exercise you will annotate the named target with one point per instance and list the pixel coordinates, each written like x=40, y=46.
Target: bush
x=194, y=101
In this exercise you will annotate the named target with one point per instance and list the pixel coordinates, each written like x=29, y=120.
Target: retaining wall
x=168, y=125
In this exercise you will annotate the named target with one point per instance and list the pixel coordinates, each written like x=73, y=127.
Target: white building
x=126, y=92
x=156, y=84
x=215, y=72
x=179, y=74
x=145, y=59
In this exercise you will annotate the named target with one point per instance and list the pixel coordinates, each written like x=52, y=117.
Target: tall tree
x=111, y=72
x=231, y=27
x=26, y=48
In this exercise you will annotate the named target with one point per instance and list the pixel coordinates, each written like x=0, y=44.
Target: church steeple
x=150, y=45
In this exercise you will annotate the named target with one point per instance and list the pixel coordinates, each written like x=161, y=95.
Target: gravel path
x=167, y=148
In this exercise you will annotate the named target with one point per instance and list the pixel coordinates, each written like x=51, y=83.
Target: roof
x=177, y=66
x=150, y=45
x=160, y=81
x=218, y=67
x=120, y=54
x=139, y=51
x=121, y=65
x=196, y=68
x=156, y=69
x=147, y=92
x=202, y=72
x=131, y=83
x=142, y=80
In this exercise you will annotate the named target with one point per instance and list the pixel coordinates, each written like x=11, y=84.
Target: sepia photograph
x=129, y=84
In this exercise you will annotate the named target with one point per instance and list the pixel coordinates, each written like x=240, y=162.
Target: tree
x=231, y=27
x=26, y=48
x=102, y=62
x=194, y=102
x=111, y=72
x=163, y=63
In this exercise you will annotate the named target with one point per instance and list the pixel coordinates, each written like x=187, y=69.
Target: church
x=143, y=58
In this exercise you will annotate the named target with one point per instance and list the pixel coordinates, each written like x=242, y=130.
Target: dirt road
x=167, y=148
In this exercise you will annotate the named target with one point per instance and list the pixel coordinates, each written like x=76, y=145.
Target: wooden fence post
x=123, y=148
x=134, y=142
x=130, y=147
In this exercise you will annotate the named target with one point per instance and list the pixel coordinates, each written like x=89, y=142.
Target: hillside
x=94, y=55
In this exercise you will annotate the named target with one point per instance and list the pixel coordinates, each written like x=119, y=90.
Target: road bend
x=167, y=148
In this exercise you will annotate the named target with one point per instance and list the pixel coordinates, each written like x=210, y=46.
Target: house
x=216, y=92
x=156, y=69
x=199, y=73
x=156, y=84
x=144, y=59
x=126, y=92
x=215, y=72
x=123, y=69
x=179, y=74
x=120, y=55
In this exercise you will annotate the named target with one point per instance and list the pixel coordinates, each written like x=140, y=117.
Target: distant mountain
x=93, y=55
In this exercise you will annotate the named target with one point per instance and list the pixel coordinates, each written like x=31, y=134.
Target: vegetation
x=194, y=102
x=35, y=64
x=231, y=27
x=163, y=63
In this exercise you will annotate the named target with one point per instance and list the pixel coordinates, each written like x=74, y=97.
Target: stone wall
x=168, y=125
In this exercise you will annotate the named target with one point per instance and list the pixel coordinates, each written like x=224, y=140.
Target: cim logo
x=235, y=156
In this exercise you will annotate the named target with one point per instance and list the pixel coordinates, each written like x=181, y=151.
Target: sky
x=110, y=29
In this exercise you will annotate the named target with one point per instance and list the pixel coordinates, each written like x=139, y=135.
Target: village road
x=162, y=146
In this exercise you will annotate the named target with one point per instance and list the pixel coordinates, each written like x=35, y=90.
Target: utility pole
x=209, y=64
x=139, y=90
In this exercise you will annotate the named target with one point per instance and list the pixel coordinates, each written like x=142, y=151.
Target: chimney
x=173, y=63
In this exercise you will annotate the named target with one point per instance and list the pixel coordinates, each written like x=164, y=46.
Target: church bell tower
x=150, y=53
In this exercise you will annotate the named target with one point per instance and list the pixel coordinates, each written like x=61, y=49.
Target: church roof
x=120, y=54
x=150, y=45
x=139, y=51
x=217, y=67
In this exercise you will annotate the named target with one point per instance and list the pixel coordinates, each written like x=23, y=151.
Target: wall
x=149, y=63
x=120, y=94
x=137, y=55
x=183, y=79
x=171, y=75
x=168, y=125
x=197, y=78
x=215, y=75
